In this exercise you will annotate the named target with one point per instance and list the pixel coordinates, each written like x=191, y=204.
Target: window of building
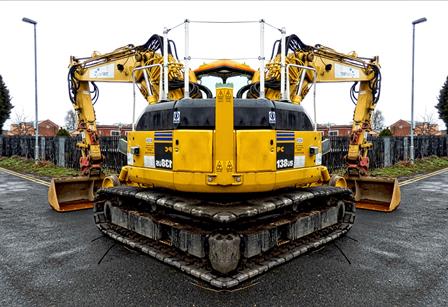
x=115, y=133
x=333, y=133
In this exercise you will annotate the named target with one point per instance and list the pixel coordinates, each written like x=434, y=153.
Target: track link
x=219, y=212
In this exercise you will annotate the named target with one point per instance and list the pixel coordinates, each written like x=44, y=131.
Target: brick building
x=403, y=128
x=400, y=128
x=335, y=130
x=113, y=130
x=46, y=128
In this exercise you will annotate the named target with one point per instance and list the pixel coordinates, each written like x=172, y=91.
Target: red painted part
x=84, y=163
x=364, y=162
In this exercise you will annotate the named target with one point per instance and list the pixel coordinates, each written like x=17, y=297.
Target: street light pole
x=412, y=87
x=36, y=123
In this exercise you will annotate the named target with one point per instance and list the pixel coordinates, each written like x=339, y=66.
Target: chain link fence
x=62, y=151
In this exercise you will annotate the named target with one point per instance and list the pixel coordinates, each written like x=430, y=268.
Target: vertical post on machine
x=186, y=61
x=224, y=148
x=165, y=64
x=261, y=58
x=282, y=67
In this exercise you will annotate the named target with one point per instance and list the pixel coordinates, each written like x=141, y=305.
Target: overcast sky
x=380, y=28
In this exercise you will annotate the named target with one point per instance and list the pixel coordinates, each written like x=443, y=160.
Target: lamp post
x=412, y=90
x=36, y=123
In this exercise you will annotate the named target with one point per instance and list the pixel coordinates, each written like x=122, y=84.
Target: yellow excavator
x=224, y=185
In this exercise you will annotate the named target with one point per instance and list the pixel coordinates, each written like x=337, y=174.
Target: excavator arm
x=306, y=65
x=142, y=65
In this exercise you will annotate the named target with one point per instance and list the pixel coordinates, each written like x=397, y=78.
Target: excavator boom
x=318, y=64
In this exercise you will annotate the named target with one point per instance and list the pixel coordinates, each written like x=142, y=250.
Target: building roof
x=326, y=126
x=124, y=126
x=48, y=121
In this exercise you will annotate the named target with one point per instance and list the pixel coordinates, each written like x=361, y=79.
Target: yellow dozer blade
x=375, y=193
x=72, y=193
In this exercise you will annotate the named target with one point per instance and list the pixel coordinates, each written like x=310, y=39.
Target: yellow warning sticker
x=229, y=166
x=219, y=166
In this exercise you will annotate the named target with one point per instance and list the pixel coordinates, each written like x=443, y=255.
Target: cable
x=354, y=93
x=205, y=89
x=95, y=92
x=194, y=88
x=273, y=48
x=242, y=90
x=174, y=47
x=293, y=43
x=155, y=42
x=374, y=85
x=73, y=86
x=254, y=88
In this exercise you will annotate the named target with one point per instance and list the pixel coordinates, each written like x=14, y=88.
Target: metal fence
x=62, y=151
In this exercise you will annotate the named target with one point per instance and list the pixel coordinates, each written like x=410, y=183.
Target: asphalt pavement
x=391, y=259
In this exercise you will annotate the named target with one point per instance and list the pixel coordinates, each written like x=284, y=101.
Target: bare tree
x=21, y=125
x=428, y=125
x=377, y=120
x=428, y=117
x=70, y=120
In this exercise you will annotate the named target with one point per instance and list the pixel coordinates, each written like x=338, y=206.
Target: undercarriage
x=224, y=239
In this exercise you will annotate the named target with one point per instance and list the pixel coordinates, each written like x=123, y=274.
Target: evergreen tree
x=442, y=106
x=5, y=103
x=63, y=132
x=385, y=132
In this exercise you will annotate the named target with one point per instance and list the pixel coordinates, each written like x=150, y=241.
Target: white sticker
x=149, y=161
x=342, y=71
x=149, y=140
x=299, y=140
x=176, y=117
x=299, y=161
x=106, y=71
x=319, y=158
x=272, y=119
x=130, y=158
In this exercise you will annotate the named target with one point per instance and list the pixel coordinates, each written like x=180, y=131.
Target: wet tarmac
x=391, y=259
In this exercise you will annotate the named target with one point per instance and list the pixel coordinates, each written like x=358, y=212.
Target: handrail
x=148, y=85
x=299, y=88
x=188, y=58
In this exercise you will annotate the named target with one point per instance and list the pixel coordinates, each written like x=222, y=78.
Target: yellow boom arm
x=142, y=65
x=326, y=65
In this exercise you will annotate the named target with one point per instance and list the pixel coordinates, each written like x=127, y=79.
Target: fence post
x=42, y=148
x=61, y=151
x=1, y=145
x=445, y=146
x=387, y=160
x=405, y=148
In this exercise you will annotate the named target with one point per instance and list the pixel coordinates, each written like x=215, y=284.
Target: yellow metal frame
x=224, y=160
